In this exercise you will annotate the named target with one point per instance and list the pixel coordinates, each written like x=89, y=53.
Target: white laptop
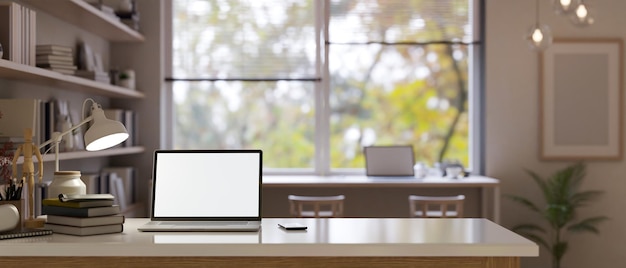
x=206, y=190
x=389, y=161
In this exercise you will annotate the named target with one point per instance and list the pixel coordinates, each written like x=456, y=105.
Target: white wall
x=512, y=126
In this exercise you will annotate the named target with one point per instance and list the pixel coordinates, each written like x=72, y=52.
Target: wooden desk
x=489, y=187
x=340, y=242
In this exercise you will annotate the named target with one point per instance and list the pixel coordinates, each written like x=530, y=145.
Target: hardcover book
x=77, y=204
x=80, y=212
x=45, y=58
x=84, y=231
x=54, y=48
x=85, y=222
x=11, y=31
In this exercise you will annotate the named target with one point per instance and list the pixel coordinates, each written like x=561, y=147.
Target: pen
x=9, y=192
x=18, y=193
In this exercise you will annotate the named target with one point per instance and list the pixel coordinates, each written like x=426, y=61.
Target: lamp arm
x=57, y=138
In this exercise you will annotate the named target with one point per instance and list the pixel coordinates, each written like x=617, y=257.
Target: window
x=313, y=82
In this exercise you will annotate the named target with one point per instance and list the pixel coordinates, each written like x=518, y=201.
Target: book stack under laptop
x=83, y=217
x=56, y=58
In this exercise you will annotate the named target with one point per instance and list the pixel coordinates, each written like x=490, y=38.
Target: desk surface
x=364, y=181
x=324, y=237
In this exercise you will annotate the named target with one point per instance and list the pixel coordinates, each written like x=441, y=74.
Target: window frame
x=476, y=99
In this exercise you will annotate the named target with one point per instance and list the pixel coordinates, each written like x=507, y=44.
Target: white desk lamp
x=102, y=134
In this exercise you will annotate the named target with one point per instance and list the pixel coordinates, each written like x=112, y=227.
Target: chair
x=436, y=206
x=316, y=206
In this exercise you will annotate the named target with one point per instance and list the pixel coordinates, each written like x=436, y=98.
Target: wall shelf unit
x=49, y=157
x=20, y=72
x=89, y=18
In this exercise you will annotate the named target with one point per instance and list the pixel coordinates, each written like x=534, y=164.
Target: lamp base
x=34, y=223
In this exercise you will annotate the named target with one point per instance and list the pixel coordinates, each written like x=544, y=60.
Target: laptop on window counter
x=206, y=190
x=389, y=161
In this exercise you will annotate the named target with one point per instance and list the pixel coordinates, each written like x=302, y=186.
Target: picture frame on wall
x=580, y=95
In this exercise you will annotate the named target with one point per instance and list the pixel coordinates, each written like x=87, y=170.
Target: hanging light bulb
x=581, y=16
x=539, y=37
x=565, y=7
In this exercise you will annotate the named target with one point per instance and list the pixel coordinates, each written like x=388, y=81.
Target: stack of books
x=56, y=58
x=83, y=215
x=99, y=76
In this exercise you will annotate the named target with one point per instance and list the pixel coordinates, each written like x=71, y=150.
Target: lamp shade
x=104, y=133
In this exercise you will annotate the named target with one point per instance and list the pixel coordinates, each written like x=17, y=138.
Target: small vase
x=66, y=182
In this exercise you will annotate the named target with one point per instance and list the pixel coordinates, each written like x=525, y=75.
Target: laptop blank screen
x=207, y=184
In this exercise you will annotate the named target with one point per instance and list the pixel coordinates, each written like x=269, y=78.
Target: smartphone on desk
x=292, y=226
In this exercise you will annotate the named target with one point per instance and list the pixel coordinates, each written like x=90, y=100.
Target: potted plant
x=562, y=200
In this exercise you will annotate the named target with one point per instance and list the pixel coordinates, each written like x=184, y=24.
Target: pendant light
x=565, y=7
x=539, y=36
x=581, y=16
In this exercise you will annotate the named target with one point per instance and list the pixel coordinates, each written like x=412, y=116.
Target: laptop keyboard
x=204, y=223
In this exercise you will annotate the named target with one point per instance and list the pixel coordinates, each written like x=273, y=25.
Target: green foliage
x=403, y=94
x=562, y=199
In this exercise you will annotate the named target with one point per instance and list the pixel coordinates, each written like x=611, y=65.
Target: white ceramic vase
x=66, y=182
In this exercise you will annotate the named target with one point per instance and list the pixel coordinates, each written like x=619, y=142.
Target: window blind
x=246, y=39
x=400, y=21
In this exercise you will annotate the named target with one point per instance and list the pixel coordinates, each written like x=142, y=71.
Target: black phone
x=292, y=226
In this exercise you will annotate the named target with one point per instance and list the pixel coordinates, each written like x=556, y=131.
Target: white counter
x=325, y=237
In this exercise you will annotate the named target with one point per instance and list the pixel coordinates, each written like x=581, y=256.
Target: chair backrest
x=316, y=206
x=436, y=206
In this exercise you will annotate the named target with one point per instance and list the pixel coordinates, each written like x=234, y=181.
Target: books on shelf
x=129, y=119
x=85, y=222
x=126, y=177
x=84, y=231
x=53, y=49
x=24, y=232
x=80, y=212
x=18, y=26
x=92, y=182
x=46, y=58
x=56, y=58
x=99, y=76
x=17, y=115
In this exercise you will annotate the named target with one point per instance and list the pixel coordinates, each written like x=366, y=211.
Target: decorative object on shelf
x=127, y=79
x=29, y=149
x=563, y=199
x=102, y=133
x=539, y=36
x=125, y=6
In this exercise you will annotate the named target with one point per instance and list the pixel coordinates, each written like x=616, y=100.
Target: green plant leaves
x=562, y=200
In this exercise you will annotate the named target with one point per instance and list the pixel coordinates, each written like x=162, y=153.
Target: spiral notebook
x=26, y=232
